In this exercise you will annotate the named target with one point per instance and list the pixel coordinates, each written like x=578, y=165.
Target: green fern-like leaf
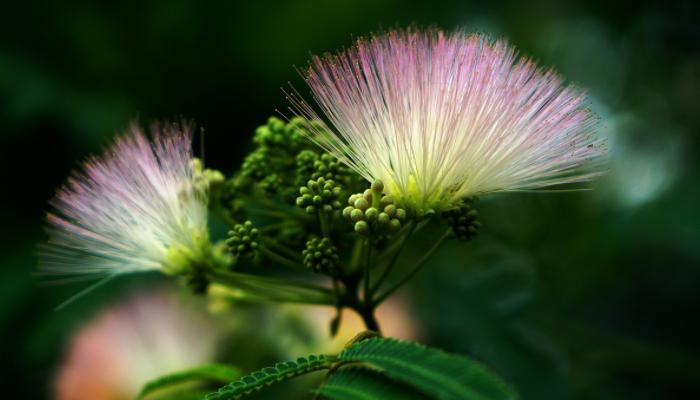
x=354, y=383
x=267, y=376
x=210, y=372
x=436, y=373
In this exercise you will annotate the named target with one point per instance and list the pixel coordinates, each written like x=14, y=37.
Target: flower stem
x=395, y=257
x=280, y=259
x=369, y=320
x=324, y=224
x=419, y=264
x=367, y=262
x=272, y=289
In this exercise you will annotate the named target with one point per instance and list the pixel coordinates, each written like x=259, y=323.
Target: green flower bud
x=347, y=211
x=394, y=225
x=361, y=227
x=321, y=194
x=361, y=203
x=371, y=214
x=320, y=255
x=242, y=239
x=463, y=220
x=385, y=201
x=401, y=214
x=363, y=208
x=378, y=186
x=356, y=215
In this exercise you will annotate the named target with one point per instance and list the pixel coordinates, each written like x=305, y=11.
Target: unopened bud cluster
x=256, y=164
x=277, y=133
x=463, y=221
x=329, y=167
x=311, y=165
x=371, y=211
x=242, y=239
x=321, y=255
x=320, y=194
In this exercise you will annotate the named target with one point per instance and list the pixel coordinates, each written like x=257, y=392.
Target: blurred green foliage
x=567, y=295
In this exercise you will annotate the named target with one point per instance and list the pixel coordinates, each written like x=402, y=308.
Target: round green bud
x=361, y=227
x=378, y=186
x=394, y=224
x=310, y=209
x=390, y=209
x=361, y=203
x=300, y=201
x=346, y=211
x=352, y=199
x=317, y=199
x=383, y=219
x=400, y=213
x=356, y=215
x=385, y=201
x=371, y=214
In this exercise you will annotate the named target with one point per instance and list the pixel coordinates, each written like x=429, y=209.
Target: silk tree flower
x=443, y=116
x=139, y=207
x=137, y=340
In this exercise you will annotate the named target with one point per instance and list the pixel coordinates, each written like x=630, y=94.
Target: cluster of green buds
x=320, y=194
x=270, y=167
x=321, y=255
x=305, y=166
x=372, y=211
x=277, y=133
x=242, y=240
x=329, y=167
x=255, y=165
x=311, y=165
x=463, y=220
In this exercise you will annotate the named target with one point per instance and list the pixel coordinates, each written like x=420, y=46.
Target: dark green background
x=587, y=295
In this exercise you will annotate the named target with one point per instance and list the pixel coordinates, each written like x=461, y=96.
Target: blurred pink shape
x=131, y=343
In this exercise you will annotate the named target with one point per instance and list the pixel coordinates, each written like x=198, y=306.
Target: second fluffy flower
x=439, y=117
x=137, y=208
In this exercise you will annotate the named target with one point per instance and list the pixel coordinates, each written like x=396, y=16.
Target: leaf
x=434, y=372
x=267, y=376
x=208, y=372
x=381, y=368
x=354, y=383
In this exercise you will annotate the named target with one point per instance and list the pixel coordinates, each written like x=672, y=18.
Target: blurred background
x=585, y=295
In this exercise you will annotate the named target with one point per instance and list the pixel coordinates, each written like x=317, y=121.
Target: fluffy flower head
x=441, y=116
x=136, y=208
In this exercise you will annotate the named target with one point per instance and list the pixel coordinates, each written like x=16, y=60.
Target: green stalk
x=282, y=249
x=419, y=264
x=368, y=258
x=272, y=289
x=325, y=231
x=280, y=259
x=397, y=253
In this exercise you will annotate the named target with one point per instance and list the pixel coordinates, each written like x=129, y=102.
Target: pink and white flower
x=442, y=116
x=136, y=208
